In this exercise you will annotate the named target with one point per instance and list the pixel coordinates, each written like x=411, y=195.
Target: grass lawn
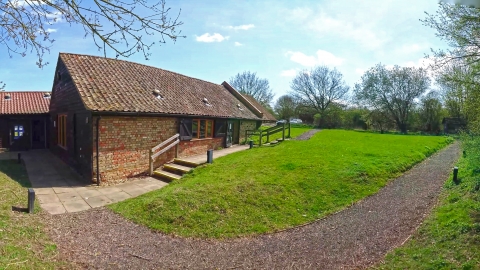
x=450, y=237
x=23, y=243
x=294, y=132
x=272, y=188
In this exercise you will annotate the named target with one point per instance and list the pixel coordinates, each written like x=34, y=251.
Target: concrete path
x=59, y=189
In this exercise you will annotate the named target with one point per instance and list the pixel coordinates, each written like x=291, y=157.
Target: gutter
x=97, y=145
x=145, y=114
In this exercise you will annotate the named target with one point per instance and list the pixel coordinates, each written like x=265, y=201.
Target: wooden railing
x=168, y=143
x=267, y=132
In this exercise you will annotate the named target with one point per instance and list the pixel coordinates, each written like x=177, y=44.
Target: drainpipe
x=97, y=145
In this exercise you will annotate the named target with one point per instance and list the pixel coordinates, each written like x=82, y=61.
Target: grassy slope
x=268, y=189
x=23, y=243
x=450, y=237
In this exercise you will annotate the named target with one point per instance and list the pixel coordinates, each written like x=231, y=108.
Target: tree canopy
x=392, y=91
x=248, y=83
x=118, y=25
x=318, y=88
x=285, y=107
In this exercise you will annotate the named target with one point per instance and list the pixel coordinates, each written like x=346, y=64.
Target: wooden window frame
x=207, y=136
x=62, y=130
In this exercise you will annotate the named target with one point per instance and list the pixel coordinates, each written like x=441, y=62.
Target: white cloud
x=238, y=43
x=216, y=37
x=288, y=73
x=321, y=58
x=241, y=27
x=51, y=30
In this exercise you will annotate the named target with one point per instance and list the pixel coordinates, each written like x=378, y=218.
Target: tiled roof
x=111, y=85
x=23, y=103
x=267, y=116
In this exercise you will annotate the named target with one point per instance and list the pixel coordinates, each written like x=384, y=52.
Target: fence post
x=150, y=161
x=283, y=132
x=268, y=136
x=31, y=200
x=176, y=150
x=210, y=156
x=260, y=143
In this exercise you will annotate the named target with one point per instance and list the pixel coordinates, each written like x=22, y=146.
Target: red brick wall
x=199, y=147
x=125, y=143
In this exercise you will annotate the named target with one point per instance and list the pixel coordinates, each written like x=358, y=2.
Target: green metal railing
x=268, y=132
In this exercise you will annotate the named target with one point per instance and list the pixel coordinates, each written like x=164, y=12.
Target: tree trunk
x=403, y=128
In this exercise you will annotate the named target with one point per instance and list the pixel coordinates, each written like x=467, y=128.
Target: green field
x=272, y=188
x=23, y=242
x=450, y=237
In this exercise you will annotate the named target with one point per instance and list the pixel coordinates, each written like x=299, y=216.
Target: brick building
x=24, y=120
x=112, y=112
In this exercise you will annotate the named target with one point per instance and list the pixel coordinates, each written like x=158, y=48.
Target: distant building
x=453, y=124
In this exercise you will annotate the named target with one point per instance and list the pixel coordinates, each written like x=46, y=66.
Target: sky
x=275, y=39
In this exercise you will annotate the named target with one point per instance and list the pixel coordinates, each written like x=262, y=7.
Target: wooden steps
x=175, y=170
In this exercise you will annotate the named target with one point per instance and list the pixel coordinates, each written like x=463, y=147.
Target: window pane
x=202, y=129
x=209, y=128
x=195, y=129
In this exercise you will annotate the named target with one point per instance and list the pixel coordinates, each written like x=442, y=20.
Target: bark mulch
x=307, y=135
x=356, y=237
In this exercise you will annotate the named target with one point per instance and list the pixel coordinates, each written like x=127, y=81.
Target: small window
x=62, y=130
x=18, y=132
x=202, y=128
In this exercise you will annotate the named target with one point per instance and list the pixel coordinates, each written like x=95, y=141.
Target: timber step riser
x=174, y=171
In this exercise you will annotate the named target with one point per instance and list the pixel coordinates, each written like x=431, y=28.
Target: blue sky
x=276, y=39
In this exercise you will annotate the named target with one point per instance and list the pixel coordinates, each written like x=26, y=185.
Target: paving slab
x=98, y=201
x=118, y=196
x=76, y=206
x=54, y=208
x=89, y=193
x=109, y=190
x=48, y=198
x=69, y=197
x=134, y=192
x=44, y=191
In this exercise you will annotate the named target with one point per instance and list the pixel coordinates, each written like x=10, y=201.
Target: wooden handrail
x=153, y=156
x=165, y=149
x=165, y=142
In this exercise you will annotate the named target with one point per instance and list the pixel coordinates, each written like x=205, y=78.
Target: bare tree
x=248, y=83
x=392, y=91
x=285, y=107
x=319, y=88
x=118, y=25
x=457, y=25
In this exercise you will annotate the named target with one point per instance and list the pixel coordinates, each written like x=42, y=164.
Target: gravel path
x=354, y=238
x=307, y=135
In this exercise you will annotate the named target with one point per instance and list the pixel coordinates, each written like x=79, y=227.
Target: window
x=220, y=127
x=18, y=132
x=62, y=130
x=202, y=128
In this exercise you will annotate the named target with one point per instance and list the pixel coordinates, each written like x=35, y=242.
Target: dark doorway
x=229, y=137
x=38, y=134
x=18, y=135
x=236, y=132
